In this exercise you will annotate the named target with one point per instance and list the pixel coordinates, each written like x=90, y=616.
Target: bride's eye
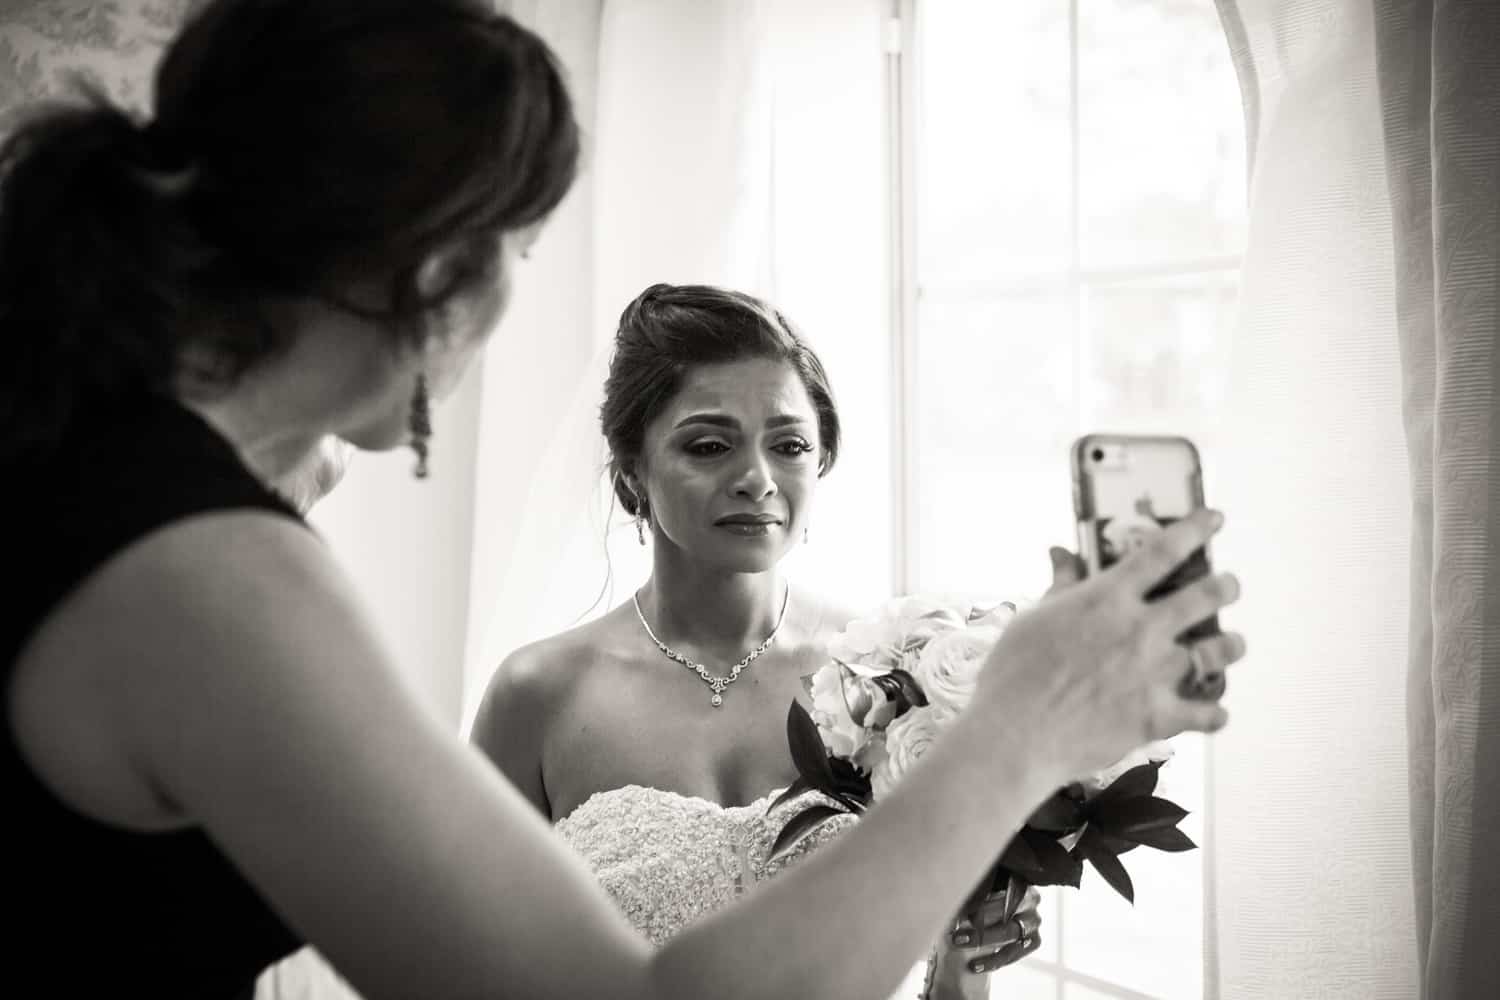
x=706, y=448
x=794, y=447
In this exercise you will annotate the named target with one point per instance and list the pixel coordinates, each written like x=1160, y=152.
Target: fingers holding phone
x=1128, y=493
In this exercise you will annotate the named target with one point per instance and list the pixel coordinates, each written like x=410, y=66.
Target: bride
x=654, y=737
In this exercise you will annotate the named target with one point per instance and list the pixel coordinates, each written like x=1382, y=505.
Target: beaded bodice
x=668, y=859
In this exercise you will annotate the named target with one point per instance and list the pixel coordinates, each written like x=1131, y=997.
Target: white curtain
x=1310, y=867
x=1371, y=292
x=675, y=189
x=733, y=142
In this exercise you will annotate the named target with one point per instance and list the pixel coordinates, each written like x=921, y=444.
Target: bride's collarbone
x=663, y=732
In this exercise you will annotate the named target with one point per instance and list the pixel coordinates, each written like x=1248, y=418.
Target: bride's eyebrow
x=788, y=420
x=713, y=419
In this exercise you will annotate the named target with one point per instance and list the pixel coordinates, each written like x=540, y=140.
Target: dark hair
x=297, y=147
x=667, y=331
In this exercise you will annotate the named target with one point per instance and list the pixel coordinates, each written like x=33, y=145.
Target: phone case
x=1127, y=488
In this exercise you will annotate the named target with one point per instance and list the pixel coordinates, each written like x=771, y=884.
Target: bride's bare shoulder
x=543, y=673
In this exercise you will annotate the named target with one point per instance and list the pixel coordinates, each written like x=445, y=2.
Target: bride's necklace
x=717, y=683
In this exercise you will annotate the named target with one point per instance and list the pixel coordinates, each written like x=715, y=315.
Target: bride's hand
x=1098, y=668
x=982, y=940
x=985, y=939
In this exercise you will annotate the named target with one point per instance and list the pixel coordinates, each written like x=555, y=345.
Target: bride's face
x=730, y=465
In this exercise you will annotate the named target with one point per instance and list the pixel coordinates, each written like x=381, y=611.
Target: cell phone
x=1127, y=488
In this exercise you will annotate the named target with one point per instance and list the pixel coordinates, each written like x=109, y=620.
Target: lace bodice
x=668, y=859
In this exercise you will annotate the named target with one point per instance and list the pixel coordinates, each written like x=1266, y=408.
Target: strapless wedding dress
x=669, y=859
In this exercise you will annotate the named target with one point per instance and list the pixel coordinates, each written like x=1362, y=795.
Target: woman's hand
x=982, y=940
x=1067, y=569
x=1098, y=667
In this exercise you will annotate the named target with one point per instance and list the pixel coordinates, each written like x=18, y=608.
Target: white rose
x=873, y=754
x=890, y=637
x=906, y=740
x=1155, y=751
x=949, y=666
x=841, y=734
x=997, y=616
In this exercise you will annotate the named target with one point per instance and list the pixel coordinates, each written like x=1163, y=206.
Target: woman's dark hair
x=298, y=147
x=670, y=329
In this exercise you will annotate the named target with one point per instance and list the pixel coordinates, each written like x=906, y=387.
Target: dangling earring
x=640, y=529
x=419, y=423
x=804, y=536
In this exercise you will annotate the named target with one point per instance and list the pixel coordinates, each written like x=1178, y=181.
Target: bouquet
x=893, y=683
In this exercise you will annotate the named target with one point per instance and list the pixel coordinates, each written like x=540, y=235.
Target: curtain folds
x=1439, y=66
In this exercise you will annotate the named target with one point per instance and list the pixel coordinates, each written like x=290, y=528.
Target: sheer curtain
x=1366, y=546
x=675, y=188
x=734, y=142
x=1311, y=862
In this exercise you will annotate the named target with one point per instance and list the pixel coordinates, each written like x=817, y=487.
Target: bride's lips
x=749, y=525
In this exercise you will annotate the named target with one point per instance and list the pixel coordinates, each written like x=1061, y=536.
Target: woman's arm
x=247, y=687
x=512, y=721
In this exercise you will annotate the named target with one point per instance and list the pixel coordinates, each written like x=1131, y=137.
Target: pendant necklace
x=718, y=684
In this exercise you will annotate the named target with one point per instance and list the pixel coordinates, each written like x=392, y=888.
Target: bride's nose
x=753, y=481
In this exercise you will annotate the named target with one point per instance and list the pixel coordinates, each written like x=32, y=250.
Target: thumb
x=1067, y=569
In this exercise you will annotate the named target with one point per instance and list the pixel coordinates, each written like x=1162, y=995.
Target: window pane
x=1078, y=991
x=1161, y=134
x=995, y=415
x=993, y=145
x=1158, y=353
x=1154, y=947
x=1023, y=981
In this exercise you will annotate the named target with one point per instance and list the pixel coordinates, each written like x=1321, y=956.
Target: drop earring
x=419, y=423
x=640, y=529
x=804, y=536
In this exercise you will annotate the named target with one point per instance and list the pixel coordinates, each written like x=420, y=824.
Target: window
x=1077, y=190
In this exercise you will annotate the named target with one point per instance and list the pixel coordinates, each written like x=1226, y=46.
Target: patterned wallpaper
x=46, y=45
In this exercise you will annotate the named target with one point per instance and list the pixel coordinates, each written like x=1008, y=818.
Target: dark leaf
x=1166, y=839
x=795, y=789
x=1059, y=814
x=800, y=825
x=849, y=802
x=1020, y=858
x=1115, y=844
x=850, y=784
x=1056, y=865
x=1125, y=819
x=808, y=751
x=1137, y=781
x=1106, y=864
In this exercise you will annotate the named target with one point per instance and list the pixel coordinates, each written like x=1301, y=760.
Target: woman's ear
x=435, y=273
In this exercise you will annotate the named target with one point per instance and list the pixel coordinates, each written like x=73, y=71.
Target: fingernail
x=976, y=966
x=960, y=939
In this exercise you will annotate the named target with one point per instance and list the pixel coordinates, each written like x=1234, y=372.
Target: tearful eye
x=795, y=447
x=706, y=449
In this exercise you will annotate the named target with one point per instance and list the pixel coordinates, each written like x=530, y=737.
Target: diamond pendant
x=716, y=700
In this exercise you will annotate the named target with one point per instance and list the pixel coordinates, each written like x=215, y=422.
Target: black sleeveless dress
x=96, y=910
